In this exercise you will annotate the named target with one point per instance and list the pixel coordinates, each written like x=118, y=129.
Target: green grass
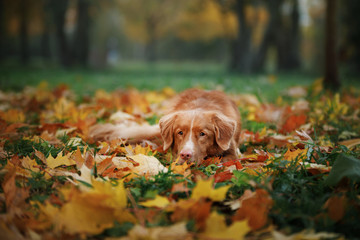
x=178, y=76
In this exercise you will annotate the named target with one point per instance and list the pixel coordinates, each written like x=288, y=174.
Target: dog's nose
x=185, y=155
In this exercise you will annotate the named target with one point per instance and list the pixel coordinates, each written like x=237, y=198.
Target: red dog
x=198, y=124
x=201, y=124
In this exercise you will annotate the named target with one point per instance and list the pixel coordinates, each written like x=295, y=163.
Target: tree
x=241, y=59
x=147, y=21
x=350, y=49
x=58, y=9
x=331, y=79
x=45, y=36
x=81, y=42
x=282, y=33
x=2, y=29
x=24, y=32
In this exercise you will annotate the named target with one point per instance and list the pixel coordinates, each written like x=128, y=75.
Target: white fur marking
x=189, y=145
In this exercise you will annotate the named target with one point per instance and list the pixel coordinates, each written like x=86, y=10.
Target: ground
x=297, y=174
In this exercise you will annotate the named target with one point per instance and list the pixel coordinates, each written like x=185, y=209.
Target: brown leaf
x=336, y=207
x=293, y=122
x=14, y=197
x=9, y=187
x=190, y=209
x=41, y=156
x=255, y=209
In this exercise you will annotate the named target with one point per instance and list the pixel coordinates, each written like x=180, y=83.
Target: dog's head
x=195, y=135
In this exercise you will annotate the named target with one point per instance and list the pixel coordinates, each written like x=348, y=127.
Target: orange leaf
x=105, y=164
x=78, y=158
x=297, y=154
x=255, y=209
x=336, y=207
x=223, y=176
x=293, y=122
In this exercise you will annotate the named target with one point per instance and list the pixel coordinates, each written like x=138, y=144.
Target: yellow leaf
x=159, y=202
x=297, y=154
x=59, y=160
x=147, y=165
x=216, y=228
x=92, y=211
x=30, y=164
x=204, y=189
x=350, y=143
x=177, y=232
x=117, y=193
x=181, y=168
x=83, y=214
x=13, y=116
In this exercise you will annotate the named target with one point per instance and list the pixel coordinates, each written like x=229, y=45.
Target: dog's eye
x=180, y=133
x=202, y=134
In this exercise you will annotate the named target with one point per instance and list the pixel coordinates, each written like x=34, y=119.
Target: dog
x=201, y=124
x=197, y=125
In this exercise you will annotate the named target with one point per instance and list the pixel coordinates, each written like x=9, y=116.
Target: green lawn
x=155, y=76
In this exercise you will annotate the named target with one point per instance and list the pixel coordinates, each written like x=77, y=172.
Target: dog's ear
x=224, y=130
x=166, y=124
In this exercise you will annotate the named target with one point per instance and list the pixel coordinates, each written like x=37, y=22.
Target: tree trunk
x=24, y=35
x=151, y=44
x=58, y=11
x=2, y=30
x=294, y=54
x=45, y=38
x=241, y=57
x=272, y=36
x=81, y=43
x=285, y=38
x=289, y=41
x=331, y=80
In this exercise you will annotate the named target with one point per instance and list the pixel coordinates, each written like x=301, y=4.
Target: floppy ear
x=224, y=130
x=166, y=124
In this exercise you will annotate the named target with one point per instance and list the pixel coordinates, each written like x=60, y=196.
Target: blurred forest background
x=246, y=36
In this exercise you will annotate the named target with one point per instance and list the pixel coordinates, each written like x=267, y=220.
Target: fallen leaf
x=177, y=232
x=204, y=188
x=335, y=207
x=13, y=116
x=159, y=202
x=298, y=154
x=292, y=123
x=92, y=211
x=60, y=160
x=255, y=209
x=216, y=228
x=350, y=143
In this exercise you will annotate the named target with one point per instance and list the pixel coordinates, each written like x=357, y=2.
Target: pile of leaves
x=297, y=175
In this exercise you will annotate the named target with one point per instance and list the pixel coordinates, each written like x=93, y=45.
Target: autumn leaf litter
x=295, y=178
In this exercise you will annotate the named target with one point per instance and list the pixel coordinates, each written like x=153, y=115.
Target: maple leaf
x=78, y=157
x=159, y=202
x=92, y=211
x=307, y=234
x=255, y=209
x=177, y=232
x=335, y=207
x=30, y=164
x=297, y=154
x=223, y=176
x=293, y=122
x=187, y=209
x=216, y=228
x=59, y=160
x=14, y=197
x=182, y=169
x=140, y=164
x=13, y=116
x=204, y=189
